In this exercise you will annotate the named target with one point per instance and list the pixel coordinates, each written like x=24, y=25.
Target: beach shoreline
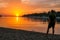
x=13, y=34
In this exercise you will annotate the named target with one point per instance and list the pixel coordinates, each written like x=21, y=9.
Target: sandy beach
x=13, y=34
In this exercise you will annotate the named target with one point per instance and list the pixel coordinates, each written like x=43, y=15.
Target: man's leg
x=53, y=26
x=53, y=30
x=48, y=29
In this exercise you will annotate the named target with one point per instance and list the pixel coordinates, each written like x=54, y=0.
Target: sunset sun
x=17, y=15
x=17, y=11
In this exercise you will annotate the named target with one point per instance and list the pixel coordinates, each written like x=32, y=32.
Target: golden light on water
x=17, y=18
x=17, y=15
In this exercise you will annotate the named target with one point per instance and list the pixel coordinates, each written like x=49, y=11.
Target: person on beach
x=51, y=21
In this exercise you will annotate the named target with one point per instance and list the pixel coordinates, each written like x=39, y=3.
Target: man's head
x=53, y=12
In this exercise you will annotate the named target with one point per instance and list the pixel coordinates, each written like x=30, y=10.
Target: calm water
x=27, y=24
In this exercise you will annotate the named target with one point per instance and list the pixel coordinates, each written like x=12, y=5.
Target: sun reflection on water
x=17, y=18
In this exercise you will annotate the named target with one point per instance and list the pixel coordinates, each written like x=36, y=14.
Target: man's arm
x=48, y=19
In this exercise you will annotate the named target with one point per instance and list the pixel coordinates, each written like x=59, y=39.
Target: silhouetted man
x=51, y=21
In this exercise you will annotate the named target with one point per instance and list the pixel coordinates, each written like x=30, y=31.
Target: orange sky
x=22, y=7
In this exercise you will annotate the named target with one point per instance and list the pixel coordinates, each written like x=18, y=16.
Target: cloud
x=11, y=1
x=37, y=3
x=3, y=5
x=34, y=5
x=42, y=3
